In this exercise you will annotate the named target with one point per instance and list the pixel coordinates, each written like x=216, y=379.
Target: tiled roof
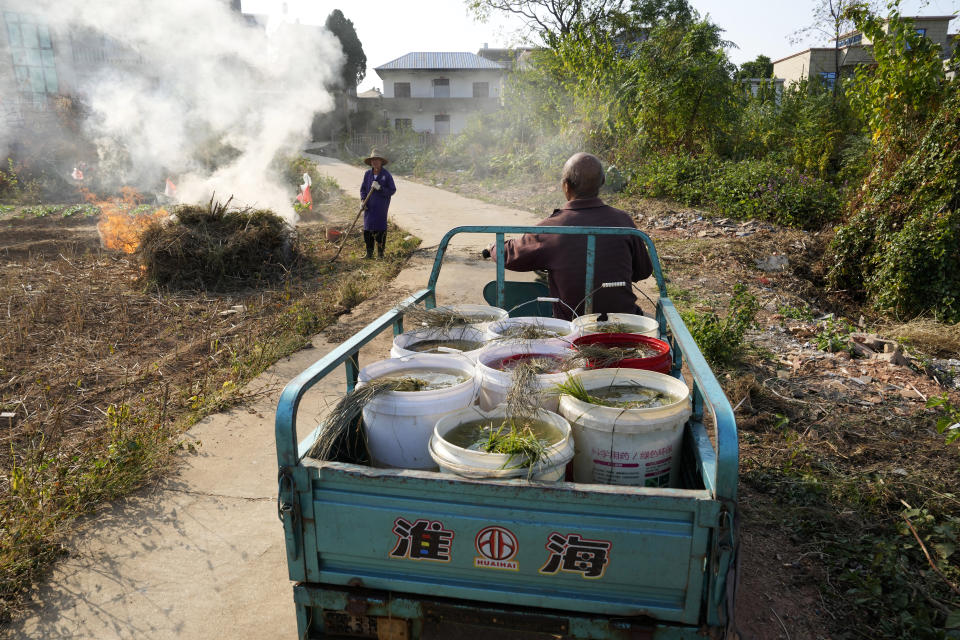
x=436, y=61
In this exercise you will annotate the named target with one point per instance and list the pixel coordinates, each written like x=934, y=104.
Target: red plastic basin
x=660, y=362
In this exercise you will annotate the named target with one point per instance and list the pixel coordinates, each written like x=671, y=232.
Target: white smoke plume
x=204, y=73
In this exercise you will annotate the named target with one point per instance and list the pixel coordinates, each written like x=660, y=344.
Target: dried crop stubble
x=104, y=375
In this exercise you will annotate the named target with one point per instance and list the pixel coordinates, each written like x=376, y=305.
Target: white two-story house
x=438, y=92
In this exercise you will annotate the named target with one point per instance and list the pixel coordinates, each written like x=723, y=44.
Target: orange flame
x=120, y=225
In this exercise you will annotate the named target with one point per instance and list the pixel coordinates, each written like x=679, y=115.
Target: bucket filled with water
x=479, y=316
x=413, y=393
x=494, y=445
x=617, y=323
x=623, y=350
x=627, y=424
x=533, y=328
x=466, y=341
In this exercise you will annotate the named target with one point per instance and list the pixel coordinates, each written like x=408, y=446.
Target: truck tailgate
x=601, y=549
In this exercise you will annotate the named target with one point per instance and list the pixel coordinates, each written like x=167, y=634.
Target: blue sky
x=389, y=30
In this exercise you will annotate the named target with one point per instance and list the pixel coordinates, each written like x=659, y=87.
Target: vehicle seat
x=515, y=293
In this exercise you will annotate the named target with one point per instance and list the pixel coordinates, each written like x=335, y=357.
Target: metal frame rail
x=707, y=393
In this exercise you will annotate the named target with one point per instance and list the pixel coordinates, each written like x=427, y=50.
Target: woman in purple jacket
x=378, y=181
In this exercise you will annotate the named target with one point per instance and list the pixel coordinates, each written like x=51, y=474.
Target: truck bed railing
x=719, y=478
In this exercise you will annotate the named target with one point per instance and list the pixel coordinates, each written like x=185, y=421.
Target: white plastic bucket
x=634, y=324
x=478, y=464
x=398, y=424
x=403, y=341
x=495, y=384
x=564, y=328
x=639, y=447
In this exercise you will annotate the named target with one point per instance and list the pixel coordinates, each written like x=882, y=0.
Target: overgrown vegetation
x=721, y=339
x=14, y=187
x=900, y=249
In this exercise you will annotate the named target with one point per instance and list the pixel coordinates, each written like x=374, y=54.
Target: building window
x=854, y=39
x=441, y=88
x=402, y=124
x=401, y=89
x=32, y=53
x=481, y=89
x=828, y=78
x=920, y=32
x=441, y=124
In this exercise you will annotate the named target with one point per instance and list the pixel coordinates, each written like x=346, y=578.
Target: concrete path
x=201, y=555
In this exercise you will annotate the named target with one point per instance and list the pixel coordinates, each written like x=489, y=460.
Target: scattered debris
x=773, y=263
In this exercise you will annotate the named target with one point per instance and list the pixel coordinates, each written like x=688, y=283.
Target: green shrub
x=767, y=190
x=833, y=335
x=901, y=247
x=721, y=339
x=761, y=189
x=322, y=188
x=948, y=420
x=15, y=188
x=682, y=177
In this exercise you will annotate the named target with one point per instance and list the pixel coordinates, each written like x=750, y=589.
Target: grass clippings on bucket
x=441, y=318
x=217, y=247
x=615, y=395
x=342, y=438
x=601, y=356
x=515, y=436
x=528, y=332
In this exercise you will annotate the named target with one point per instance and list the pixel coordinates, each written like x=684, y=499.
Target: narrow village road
x=201, y=554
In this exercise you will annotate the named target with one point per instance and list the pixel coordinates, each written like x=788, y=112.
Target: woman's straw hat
x=374, y=154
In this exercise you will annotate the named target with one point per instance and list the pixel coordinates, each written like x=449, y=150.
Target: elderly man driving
x=618, y=258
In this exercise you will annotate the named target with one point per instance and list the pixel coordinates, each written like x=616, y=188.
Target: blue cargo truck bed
x=400, y=554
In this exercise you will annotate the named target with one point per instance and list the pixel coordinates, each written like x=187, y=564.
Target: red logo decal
x=497, y=547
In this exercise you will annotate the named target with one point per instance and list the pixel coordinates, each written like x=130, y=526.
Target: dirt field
x=100, y=373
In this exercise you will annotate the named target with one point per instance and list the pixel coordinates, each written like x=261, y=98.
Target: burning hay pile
x=217, y=247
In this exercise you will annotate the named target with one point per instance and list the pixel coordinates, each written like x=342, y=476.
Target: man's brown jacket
x=618, y=258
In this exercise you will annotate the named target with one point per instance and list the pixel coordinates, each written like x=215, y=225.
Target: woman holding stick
x=377, y=182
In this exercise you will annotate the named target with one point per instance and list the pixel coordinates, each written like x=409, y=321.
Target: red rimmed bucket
x=660, y=362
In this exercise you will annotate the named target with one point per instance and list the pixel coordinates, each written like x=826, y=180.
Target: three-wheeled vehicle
x=585, y=560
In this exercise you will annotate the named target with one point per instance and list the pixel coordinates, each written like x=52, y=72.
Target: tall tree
x=549, y=19
x=759, y=67
x=355, y=65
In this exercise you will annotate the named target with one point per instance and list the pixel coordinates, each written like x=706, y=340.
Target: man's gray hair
x=584, y=173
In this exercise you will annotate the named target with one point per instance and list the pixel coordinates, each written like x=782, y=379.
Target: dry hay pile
x=217, y=247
